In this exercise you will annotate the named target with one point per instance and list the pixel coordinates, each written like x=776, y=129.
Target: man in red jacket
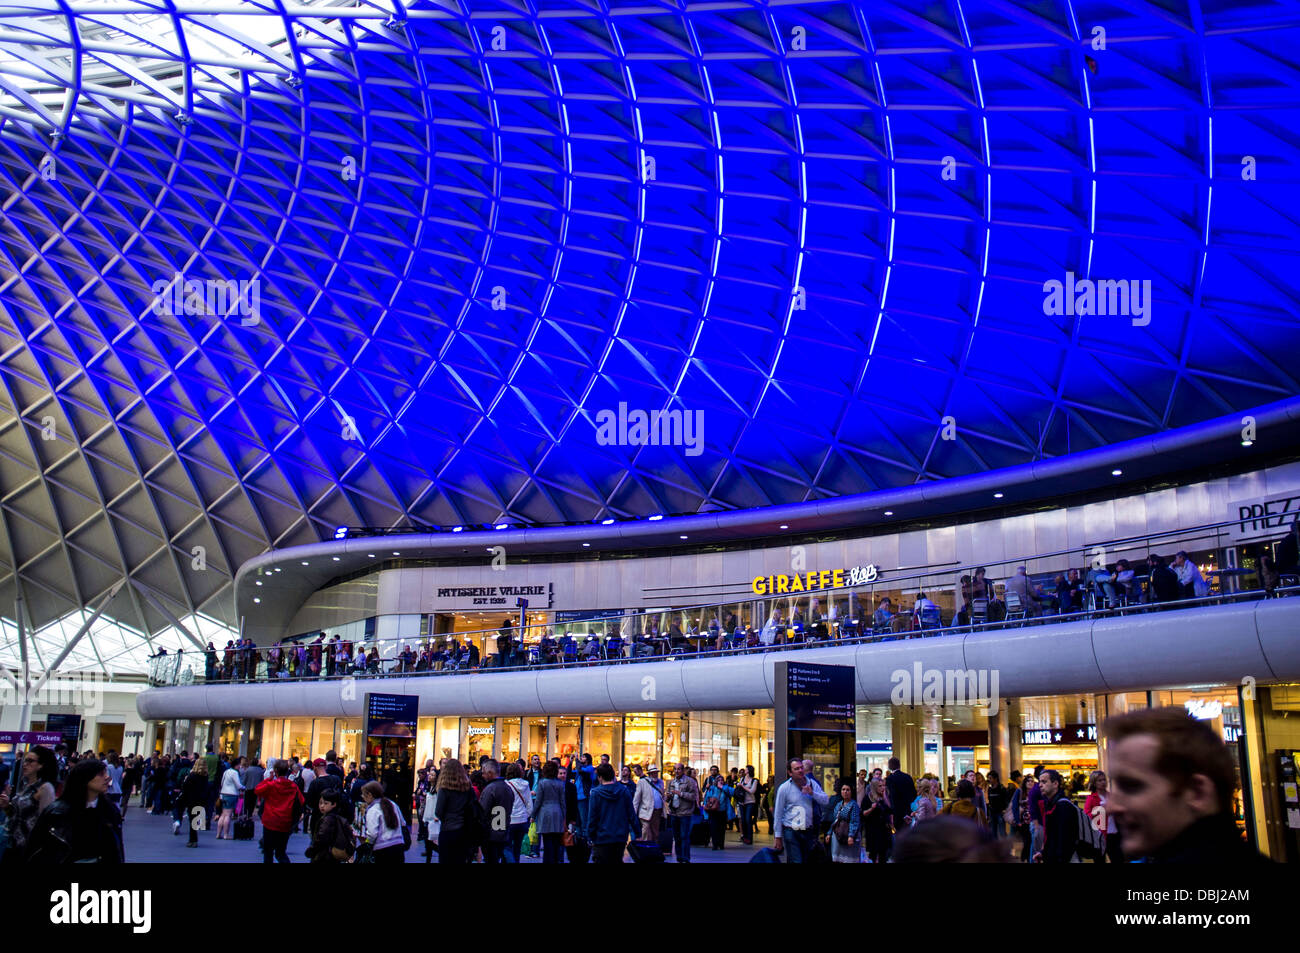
x=282, y=801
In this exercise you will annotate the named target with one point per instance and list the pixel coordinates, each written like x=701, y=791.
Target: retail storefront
x=728, y=739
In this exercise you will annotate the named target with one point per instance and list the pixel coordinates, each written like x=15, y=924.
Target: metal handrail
x=859, y=639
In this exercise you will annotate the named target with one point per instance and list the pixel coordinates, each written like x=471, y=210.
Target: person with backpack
x=385, y=832
x=1060, y=820
x=332, y=842
x=459, y=815
x=282, y=805
x=717, y=795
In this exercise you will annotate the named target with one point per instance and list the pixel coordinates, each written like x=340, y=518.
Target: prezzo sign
x=1267, y=518
x=461, y=596
x=1068, y=735
x=781, y=584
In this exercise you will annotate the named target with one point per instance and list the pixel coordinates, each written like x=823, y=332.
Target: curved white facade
x=1213, y=645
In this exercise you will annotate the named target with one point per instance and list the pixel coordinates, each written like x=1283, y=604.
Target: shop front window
x=675, y=734
x=566, y=736
x=509, y=740
x=348, y=731
x=641, y=740
x=535, y=739
x=603, y=734
x=298, y=738
x=478, y=740
x=448, y=744
x=228, y=740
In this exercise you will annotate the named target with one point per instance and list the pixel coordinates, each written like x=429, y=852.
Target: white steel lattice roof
x=471, y=227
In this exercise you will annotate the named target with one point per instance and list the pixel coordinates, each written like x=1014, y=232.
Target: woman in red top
x=1097, y=785
x=281, y=805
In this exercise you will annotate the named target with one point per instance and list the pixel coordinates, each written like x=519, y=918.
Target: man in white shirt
x=795, y=809
x=649, y=803
x=1190, y=579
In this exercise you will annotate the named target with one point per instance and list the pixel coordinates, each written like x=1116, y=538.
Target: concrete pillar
x=907, y=735
x=1015, y=757
x=1000, y=742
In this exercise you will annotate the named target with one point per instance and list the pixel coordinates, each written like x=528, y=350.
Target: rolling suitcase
x=244, y=827
x=666, y=839
x=579, y=851
x=645, y=852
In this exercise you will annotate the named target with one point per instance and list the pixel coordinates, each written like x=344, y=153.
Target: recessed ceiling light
x=396, y=553
x=889, y=512
x=997, y=496
x=586, y=544
x=258, y=583
x=336, y=559
x=255, y=599
x=784, y=526
x=684, y=537
x=371, y=555
x=1117, y=472
x=305, y=563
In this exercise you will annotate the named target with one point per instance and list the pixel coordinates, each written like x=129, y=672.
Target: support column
x=907, y=736
x=1015, y=756
x=1000, y=742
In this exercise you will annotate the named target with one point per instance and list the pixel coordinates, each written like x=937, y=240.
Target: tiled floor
x=150, y=839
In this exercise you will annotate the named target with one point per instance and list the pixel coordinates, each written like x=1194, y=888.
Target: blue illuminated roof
x=471, y=228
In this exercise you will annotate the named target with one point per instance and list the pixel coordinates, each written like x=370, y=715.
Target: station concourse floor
x=149, y=840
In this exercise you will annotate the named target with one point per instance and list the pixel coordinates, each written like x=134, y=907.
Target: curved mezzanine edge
x=1210, y=645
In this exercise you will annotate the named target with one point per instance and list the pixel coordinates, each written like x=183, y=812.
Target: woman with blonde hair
x=925, y=806
x=194, y=795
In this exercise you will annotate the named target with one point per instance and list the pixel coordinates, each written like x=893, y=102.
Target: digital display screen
x=391, y=716
x=67, y=726
x=820, y=697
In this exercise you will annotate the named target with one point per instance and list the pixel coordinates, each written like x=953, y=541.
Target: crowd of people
x=1172, y=803
x=977, y=600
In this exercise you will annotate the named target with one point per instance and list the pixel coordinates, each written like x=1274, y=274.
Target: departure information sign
x=391, y=716
x=820, y=697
